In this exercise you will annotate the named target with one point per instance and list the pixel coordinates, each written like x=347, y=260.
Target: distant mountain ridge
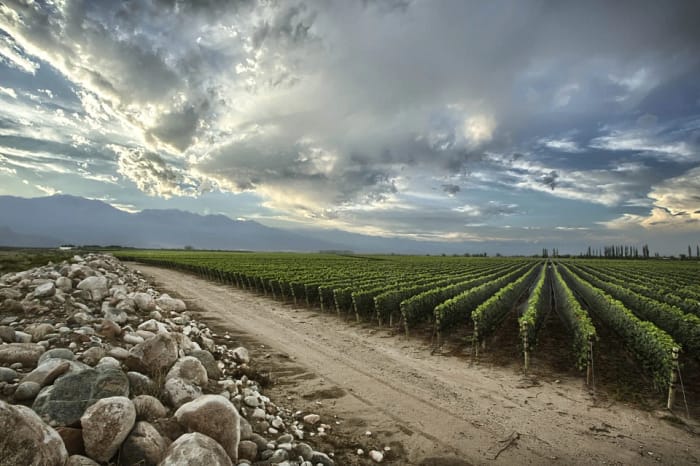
x=62, y=219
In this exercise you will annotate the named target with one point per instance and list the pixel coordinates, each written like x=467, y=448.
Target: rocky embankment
x=96, y=367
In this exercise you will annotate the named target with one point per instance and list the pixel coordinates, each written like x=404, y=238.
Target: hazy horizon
x=524, y=123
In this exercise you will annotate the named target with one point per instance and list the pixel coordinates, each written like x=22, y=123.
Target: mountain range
x=61, y=219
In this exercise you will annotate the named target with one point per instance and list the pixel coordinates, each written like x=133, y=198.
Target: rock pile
x=97, y=367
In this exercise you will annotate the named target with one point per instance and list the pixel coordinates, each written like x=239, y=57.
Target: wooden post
x=589, y=362
x=674, y=379
x=526, y=350
x=475, y=340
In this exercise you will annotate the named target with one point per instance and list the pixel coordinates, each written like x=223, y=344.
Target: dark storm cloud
x=451, y=189
x=289, y=26
x=550, y=179
x=177, y=128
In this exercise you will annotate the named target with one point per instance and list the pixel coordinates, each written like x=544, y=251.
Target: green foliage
x=15, y=260
x=489, y=314
x=422, y=306
x=576, y=318
x=531, y=320
x=458, y=310
x=389, y=302
x=685, y=328
x=652, y=346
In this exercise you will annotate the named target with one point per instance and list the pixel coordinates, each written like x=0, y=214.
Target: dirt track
x=431, y=408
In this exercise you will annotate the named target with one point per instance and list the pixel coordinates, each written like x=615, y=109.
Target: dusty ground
x=430, y=409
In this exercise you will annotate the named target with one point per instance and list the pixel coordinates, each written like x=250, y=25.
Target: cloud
x=679, y=195
x=176, y=128
x=451, y=189
x=562, y=145
x=48, y=190
x=648, y=145
x=8, y=91
x=487, y=210
x=152, y=174
x=340, y=112
x=13, y=55
x=608, y=186
x=550, y=179
x=675, y=206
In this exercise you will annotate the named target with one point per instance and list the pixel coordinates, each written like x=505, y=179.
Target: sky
x=539, y=122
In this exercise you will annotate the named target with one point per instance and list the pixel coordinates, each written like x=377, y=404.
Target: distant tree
x=189, y=248
x=697, y=251
x=690, y=252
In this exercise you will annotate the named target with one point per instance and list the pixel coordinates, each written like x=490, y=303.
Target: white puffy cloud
x=648, y=145
x=8, y=91
x=563, y=145
x=675, y=205
x=48, y=190
x=486, y=210
x=152, y=174
x=12, y=54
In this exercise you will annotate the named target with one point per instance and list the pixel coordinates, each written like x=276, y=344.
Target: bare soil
x=440, y=408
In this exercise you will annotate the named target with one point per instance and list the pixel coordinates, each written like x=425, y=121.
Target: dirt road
x=429, y=409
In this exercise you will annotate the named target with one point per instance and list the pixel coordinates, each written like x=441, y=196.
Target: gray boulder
x=106, y=425
x=209, y=363
x=64, y=402
x=79, y=460
x=27, y=391
x=216, y=417
x=45, y=290
x=149, y=408
x=27, y=354
x=97, y=286
x=189, y=369
x=7, y=334
x=92, y=356
x=241, y=355
x=115, y=315
x=7, y=374
x=140, y=383
x=25, y=439
x=169, y=304
x=144, y=446
x=64, y=284
x=144, y=302
x=39, y=331
x=154, y=356
x=195, y=449
x=57, y=353
x=179, y=392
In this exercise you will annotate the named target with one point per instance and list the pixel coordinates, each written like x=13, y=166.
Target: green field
x=14, y=260
x=651, y=306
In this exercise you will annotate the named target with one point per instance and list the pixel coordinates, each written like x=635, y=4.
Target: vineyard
x=649, y=310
